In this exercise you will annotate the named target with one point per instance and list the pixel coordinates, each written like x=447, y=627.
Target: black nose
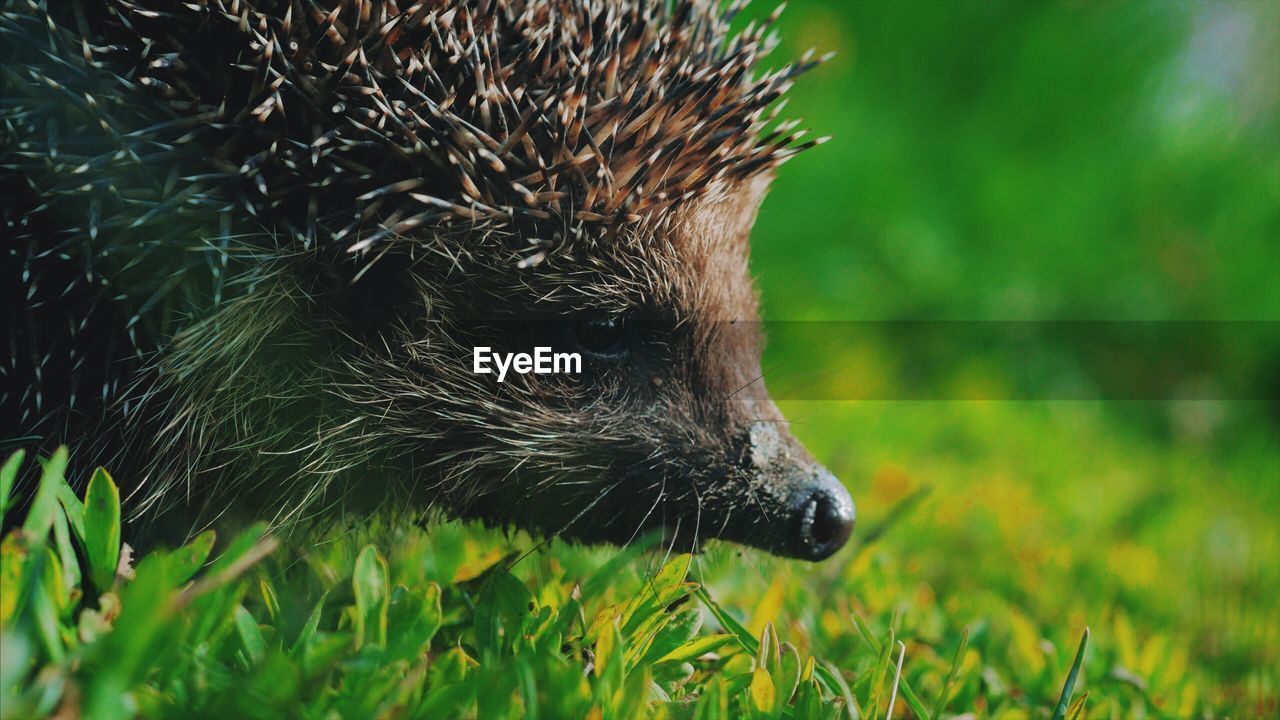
x=824, y=518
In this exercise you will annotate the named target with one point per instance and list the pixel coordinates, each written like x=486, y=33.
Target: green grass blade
x=695, y=648
x=941, y=705
x=187, y=560
x=309, y=628
x=251, y=639
x=102, y=529
x=40, y=517
x=370, y=587
x=1063, y=701
x=865, y=632
x=44, y=587
x=830, y=675
x=66, y=553
x=880, y=672
x=74, y=510
x=242, y=547
x=1077, y=708
x=913, y=700
x=8, y=475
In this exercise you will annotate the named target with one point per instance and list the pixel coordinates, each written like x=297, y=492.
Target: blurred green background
x=1043, y=161
x=1030, y=160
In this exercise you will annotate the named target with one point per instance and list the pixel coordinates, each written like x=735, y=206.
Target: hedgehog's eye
x=605, y=337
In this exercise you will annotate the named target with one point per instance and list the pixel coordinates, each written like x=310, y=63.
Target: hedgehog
x=251, y=246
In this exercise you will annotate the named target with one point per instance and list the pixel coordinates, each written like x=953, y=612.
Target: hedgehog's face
x=668, y=426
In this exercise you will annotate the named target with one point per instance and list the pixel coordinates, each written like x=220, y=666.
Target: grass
x=84, y=633
x=975, y=600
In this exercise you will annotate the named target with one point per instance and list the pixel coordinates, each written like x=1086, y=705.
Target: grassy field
x=1099, y=161
x=980, y=563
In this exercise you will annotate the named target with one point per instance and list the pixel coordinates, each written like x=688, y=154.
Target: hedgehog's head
x=668, y=426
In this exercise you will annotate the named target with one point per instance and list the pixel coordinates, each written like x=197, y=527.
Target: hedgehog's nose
x=823, y=517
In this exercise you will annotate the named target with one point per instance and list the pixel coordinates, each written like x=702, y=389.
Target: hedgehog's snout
x=796, y=508
x=822, y=516
x=809, y=518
